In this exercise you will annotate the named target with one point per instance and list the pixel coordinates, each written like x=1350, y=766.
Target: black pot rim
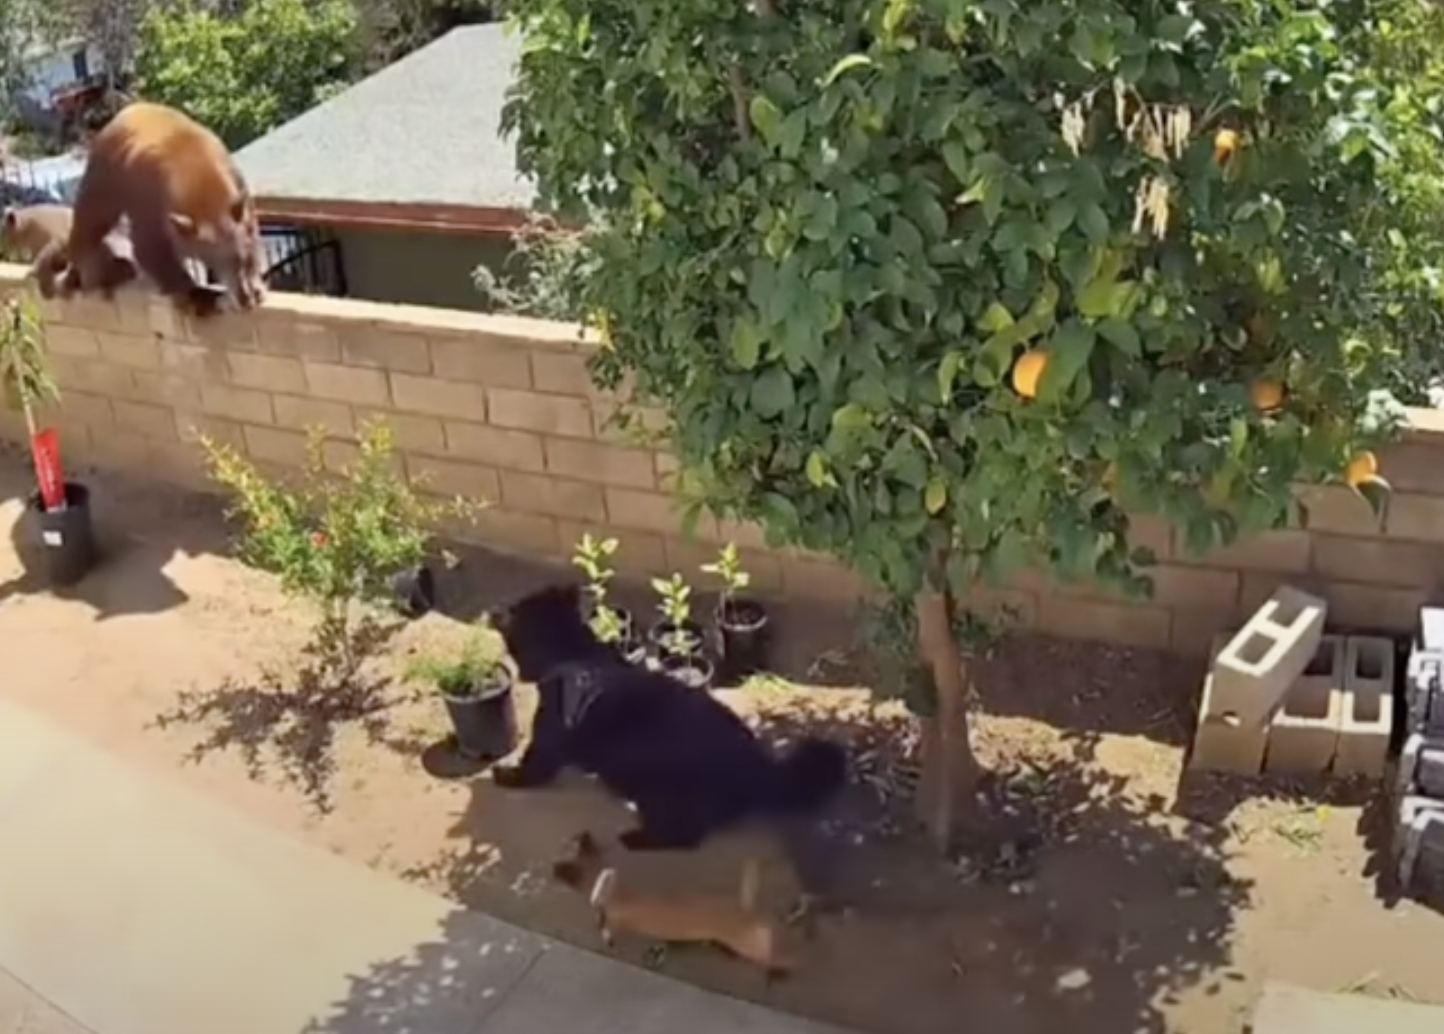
x=663, y=627
x=76, y=493
x=504, y=682
x=743, y=626
x=696, y=662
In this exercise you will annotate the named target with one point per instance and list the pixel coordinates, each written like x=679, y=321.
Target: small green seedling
x=594, y=556
x=460, y=674
x=728, y=569
x=676, y=607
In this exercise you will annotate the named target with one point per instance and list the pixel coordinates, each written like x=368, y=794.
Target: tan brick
x=435, y=397
x=829, y=581
x=1373, y=607
x=181, y=463
x=91, y=409
x=1284, y=549
x=145, y=419
x=102, y=378
x=385, y=349
x=1256, y=587
x=1376, y=561
x=178, y=393
x=302, y=414
x=347, y=384
x=448, y=478
x=271, y=445
x=667, y=466
x=72, y=341
x=607, y=464
x=637, y=552
x=412, y=433
x=1415, y=464
x=1337, y=509
x=1147, y=531
x=481, y=360
x=639, y=427
x=509, y=450
x=220, y=431
x=242, y=404
x=197, y=362
x=1104, y=621
x=267, y=372
x=561, y=373
x=646, y=511
x=229, y=330
x=1179, y=586
x=768, y=570
x=531, y=534
x=748, y=535
x=1193, y=629
x=89, y=311
x=547, y=414
x=535, y=493
x=1006, y=609
x=299, y=339
x=142, y=353
x=124, y=449
x=1416, y=517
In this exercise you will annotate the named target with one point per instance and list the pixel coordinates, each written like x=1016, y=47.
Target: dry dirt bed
x=1108, y=911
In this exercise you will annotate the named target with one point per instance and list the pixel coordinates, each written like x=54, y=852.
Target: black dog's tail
x=808, y=775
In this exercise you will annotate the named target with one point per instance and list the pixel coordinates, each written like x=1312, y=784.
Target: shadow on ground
x=1085, y=908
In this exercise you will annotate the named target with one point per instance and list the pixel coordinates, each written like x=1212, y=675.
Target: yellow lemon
x=1028, y=371
x=1361, y=468
x=1225, y=143
x=1267, y=393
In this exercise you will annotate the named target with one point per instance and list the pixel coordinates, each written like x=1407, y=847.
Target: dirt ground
x=1118, y=903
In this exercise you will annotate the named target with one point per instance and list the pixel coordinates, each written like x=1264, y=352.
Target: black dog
x=688, y=763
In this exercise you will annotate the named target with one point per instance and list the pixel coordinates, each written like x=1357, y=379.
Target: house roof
x=420, y=141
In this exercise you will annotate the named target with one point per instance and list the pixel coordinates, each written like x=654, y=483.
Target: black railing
x=304, y=261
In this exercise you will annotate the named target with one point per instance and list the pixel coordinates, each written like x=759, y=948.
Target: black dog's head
x=546, y=629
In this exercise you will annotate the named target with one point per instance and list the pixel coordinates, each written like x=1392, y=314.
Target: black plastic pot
x=633, y=650
x=744, y=632
x=67, y=536
x=485, y=720
x=414, y=592
x=662, y=638
x=692, y=670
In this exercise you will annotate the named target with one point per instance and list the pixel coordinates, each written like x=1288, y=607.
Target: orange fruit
x=1225, y=143
x=1267, y=393
x=1028, y=371
x=1361, y=468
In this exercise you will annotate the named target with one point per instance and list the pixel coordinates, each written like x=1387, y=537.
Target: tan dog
x=676, y=919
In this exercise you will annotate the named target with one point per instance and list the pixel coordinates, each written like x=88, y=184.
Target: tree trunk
x=950, y=770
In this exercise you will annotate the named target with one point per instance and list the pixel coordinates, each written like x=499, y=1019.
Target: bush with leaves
x=335, y=540
x=542, y=274
x=950, y=288
x=245, y=71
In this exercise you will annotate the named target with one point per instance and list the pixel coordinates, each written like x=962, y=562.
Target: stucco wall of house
x=415, y=267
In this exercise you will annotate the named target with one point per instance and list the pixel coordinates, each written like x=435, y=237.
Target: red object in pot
x=45, y=451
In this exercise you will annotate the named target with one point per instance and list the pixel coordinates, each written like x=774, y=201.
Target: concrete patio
x=129, y=905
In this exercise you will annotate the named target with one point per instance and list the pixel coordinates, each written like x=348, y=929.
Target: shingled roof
x=418, y=142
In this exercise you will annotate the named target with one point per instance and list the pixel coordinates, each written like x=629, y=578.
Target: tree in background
x=248, y=71
x=950, y=288
x=391, y=29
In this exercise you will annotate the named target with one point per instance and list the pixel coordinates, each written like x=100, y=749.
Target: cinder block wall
x=502, y=409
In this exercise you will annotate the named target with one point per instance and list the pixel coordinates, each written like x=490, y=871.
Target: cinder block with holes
x=1222, y=743
x=1418, y=848
x=1424, y=682
x=1368, y=706
x=1303, y=735
x=1421, y=768
x=1264, y=659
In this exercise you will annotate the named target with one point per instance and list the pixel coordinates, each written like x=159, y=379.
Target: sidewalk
x=137, y=907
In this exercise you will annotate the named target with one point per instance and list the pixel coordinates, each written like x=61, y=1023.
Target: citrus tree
x=950, y=288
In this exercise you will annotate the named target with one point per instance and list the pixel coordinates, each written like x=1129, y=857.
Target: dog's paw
x=509, y=777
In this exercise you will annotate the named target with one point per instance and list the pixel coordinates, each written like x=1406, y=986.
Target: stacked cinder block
x=1419, y=782
x=1283, y=698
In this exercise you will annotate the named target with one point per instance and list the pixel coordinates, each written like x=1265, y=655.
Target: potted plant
x=475, y=685
x=59, y=508
x=677, y=638
x=743, y=623
x=337, y=541
x=610, y=624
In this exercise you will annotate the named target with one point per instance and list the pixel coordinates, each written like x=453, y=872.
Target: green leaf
x=847, y=64
x=948, y=374
x=1237, y=436
x=1121, y=335
x=995, y=318
x=850, y=417
x=1068, y=352
x=817, y=473
x=792, y=132
x=1102, y=298
x=773, y=393
x=746, y=343
x=958, y=159
x=935, y=496
x=1093, y=221
x=766, y=117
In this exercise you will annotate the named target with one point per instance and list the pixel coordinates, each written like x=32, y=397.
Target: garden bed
x=1100, y=909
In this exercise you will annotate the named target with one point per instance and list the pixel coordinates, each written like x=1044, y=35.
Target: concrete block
x=1285, y=1009
x=1418, y=848
x=1264, y=659
x=1221, y=742
x=1303, y=736
x=1420, y=771
x=1424, y=692
x=1368, y=706
x=1431, y=629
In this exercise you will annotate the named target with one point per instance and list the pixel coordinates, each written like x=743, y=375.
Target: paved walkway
x=138, y=907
